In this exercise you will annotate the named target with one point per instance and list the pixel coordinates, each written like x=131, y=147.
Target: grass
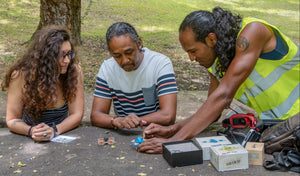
x=156, y=21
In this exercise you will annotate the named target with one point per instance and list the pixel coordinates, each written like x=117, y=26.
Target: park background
x=157, y=22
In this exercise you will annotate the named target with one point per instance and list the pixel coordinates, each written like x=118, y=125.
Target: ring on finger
x=45, y=134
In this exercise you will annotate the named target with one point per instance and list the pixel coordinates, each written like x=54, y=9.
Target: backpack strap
x=287, y=159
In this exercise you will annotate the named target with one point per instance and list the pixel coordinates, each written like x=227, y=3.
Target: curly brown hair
x=41, y=71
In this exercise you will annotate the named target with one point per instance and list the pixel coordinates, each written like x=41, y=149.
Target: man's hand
x=42, y=132
x=152, y=146
x=130, y=121
x=155, y=130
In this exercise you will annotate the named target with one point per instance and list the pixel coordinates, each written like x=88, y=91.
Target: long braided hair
x=221, y=22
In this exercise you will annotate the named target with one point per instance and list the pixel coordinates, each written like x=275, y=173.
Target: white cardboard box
x=229, y=157
x=207, y=142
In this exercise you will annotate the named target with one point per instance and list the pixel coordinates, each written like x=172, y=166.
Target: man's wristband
x=111, y=122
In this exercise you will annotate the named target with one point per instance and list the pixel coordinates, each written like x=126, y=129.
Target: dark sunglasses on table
x=70, y=54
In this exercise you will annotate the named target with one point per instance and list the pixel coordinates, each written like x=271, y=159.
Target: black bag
x=281, y=135
x=286, y=159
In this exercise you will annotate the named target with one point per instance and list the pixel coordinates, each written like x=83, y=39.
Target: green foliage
x=156, y=21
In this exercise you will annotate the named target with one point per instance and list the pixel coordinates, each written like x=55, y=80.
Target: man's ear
x=211, y=40
x=140, y=46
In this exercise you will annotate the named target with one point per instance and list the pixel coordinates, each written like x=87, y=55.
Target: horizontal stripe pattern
x=102, y=89
x=126, y=103
x=166, y=84
x=49, y=116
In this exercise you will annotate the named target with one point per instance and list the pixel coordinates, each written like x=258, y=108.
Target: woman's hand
x=42, y=132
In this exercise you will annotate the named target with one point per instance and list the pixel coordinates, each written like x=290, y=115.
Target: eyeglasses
x=69, y=54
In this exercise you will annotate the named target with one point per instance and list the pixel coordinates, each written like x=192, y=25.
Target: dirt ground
x=188, y=102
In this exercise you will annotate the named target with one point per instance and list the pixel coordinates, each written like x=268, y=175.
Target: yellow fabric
x=272, y=89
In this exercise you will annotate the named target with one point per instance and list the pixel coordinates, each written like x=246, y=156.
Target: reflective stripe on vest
x=272, y=88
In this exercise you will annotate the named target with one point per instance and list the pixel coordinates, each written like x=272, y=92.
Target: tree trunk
x=62, y=12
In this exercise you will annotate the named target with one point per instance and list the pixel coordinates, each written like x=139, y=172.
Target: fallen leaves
x=17, y=171
x=21, y=164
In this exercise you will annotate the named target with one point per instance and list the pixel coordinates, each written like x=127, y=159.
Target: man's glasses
x=70, y=55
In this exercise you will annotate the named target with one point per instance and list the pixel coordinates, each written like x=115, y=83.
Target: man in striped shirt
x=139, y=82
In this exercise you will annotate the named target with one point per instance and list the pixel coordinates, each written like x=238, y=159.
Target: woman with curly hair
x=45, y=87
x=248, y=59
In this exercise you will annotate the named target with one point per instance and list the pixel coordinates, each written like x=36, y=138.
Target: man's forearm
x=101, y=120
x=160, y=118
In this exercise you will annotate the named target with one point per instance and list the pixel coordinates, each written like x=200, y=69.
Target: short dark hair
x=121, y=28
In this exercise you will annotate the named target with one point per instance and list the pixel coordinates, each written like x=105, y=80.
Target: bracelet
x=111, y=122
x=54, y=127
x=29, y=132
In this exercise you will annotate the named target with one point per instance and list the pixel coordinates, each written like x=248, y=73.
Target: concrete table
x=20, y=155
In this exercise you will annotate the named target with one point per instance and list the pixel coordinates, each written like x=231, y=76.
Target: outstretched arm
x=253, y=40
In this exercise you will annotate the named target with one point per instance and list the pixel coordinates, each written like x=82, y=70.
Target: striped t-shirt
x=49, y=116
x=136, y=91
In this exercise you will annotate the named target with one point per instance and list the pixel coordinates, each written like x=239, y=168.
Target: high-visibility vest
x=272, y=88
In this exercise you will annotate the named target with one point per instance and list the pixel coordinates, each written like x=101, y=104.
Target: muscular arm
x=253, y=40
x=76, y=108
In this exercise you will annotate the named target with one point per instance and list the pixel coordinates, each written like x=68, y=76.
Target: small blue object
x=213, y=141
x=137, y=142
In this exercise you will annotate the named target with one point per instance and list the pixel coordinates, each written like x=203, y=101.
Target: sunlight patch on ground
x=26, y=1
x=155, y=28
x=228, y=2
x=2, y=50
x=4, y=132
x=280, y=12
x=33, y=148
x=4, y=22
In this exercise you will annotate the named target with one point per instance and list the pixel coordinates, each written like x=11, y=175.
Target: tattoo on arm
x=17, y=120
x=242, y=43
